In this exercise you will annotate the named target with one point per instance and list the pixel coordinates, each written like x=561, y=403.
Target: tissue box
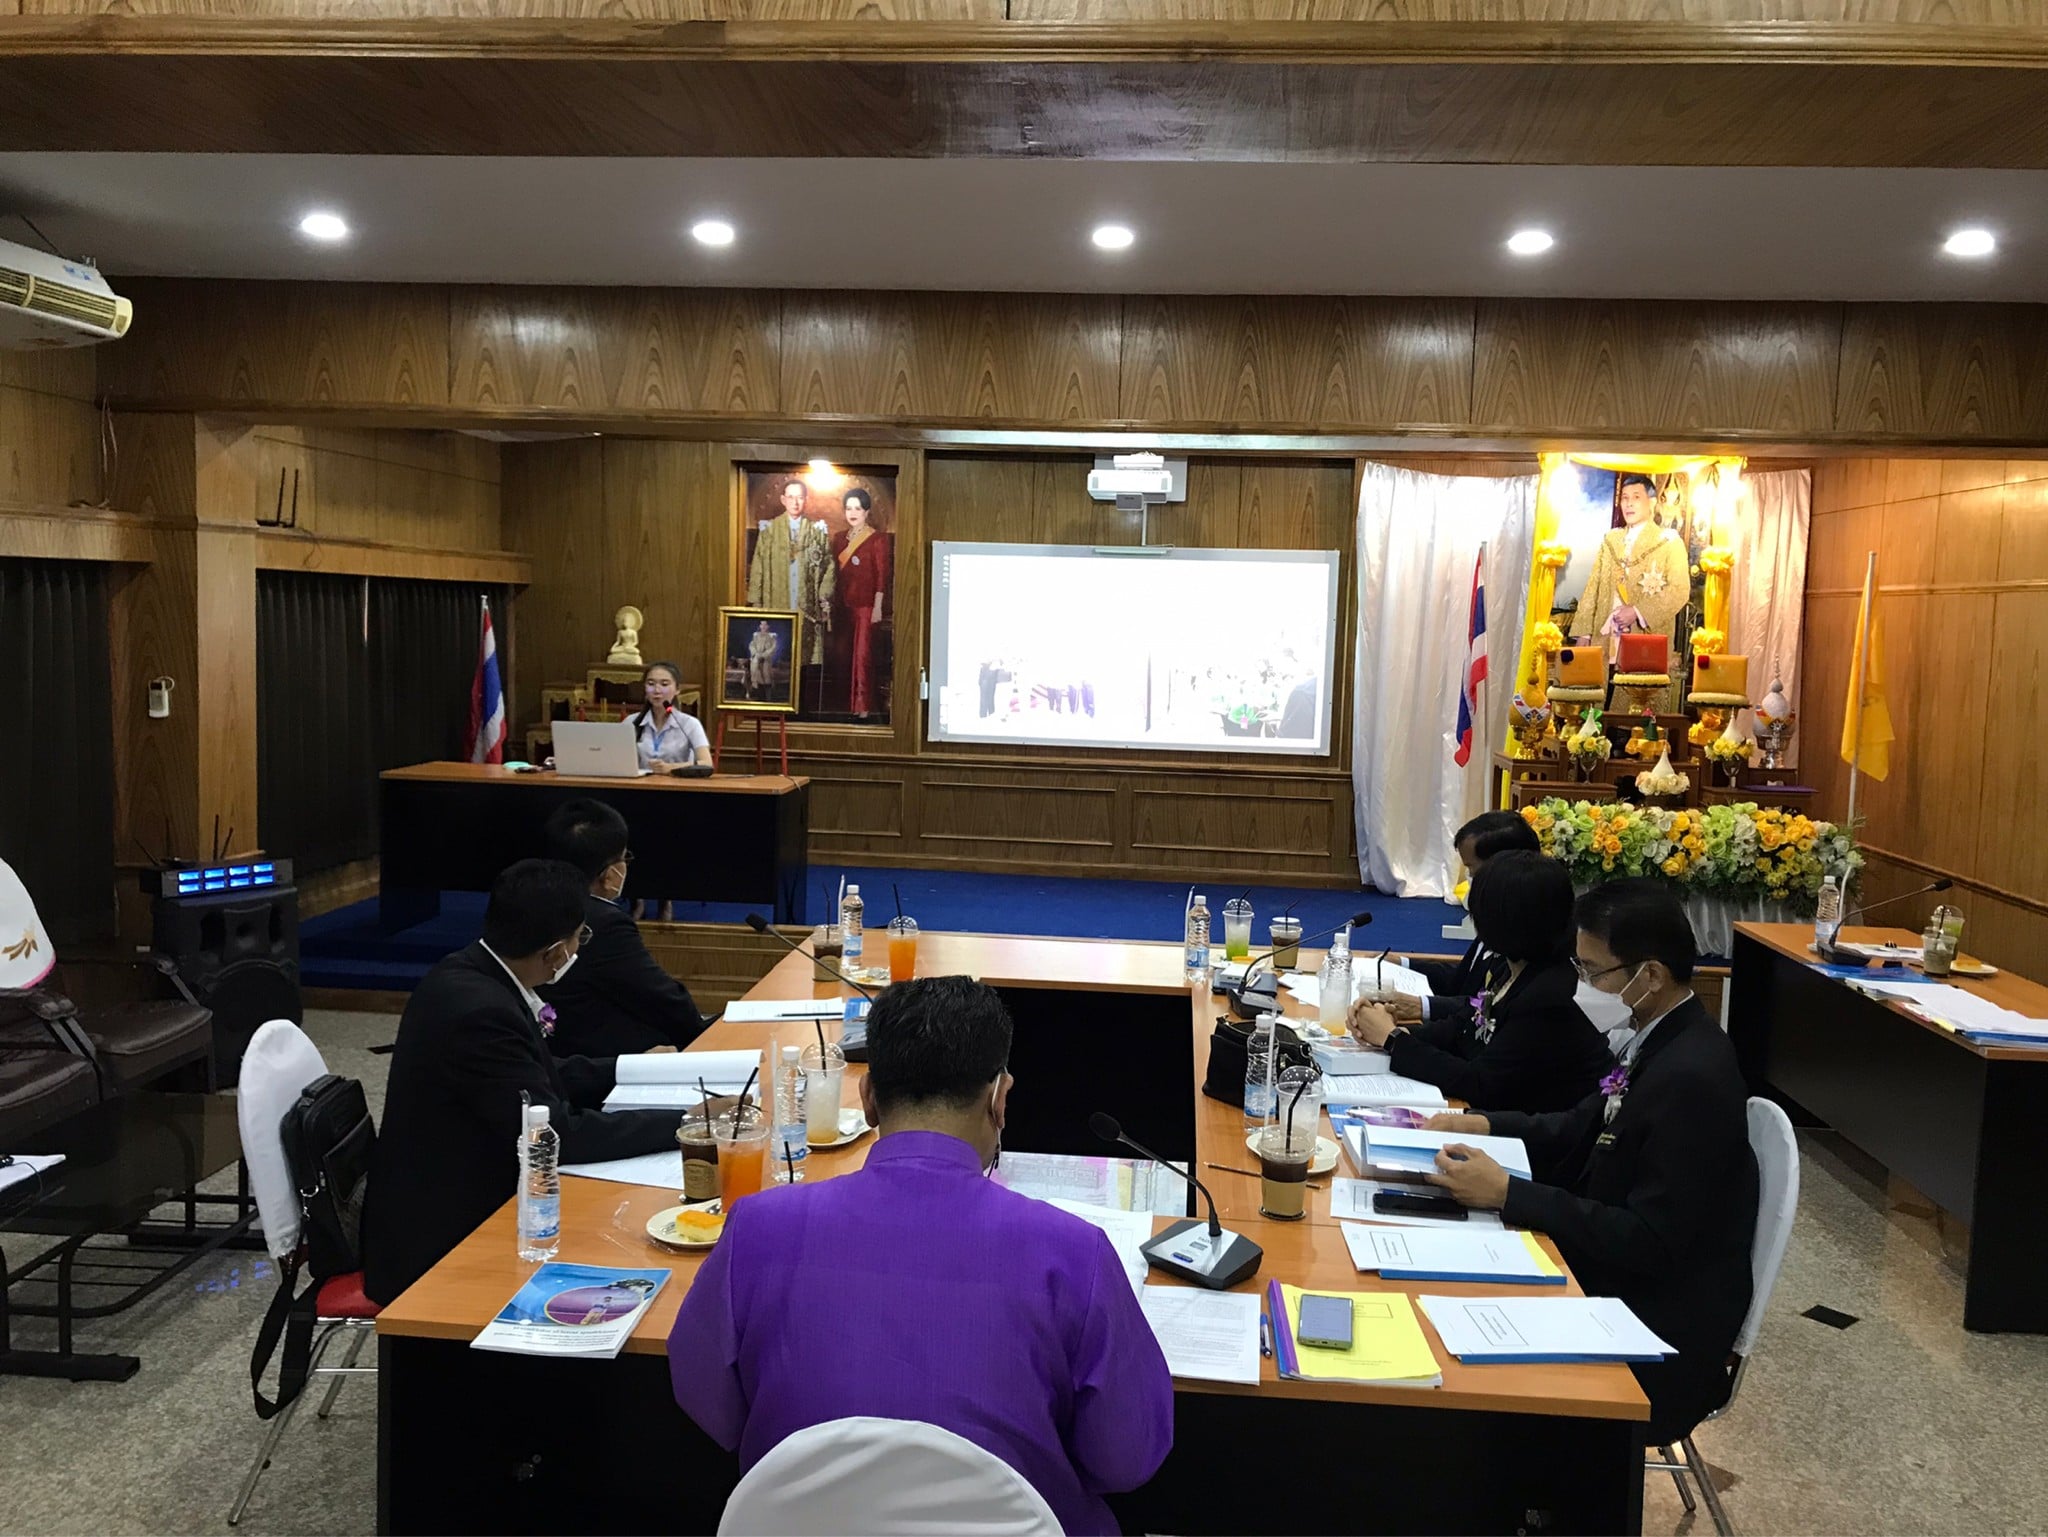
x=1643, y=653
x=1582, y=667
x=1727, y=675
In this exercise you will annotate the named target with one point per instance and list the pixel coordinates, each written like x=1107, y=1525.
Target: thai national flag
x=487, y=701
x=1475, y=664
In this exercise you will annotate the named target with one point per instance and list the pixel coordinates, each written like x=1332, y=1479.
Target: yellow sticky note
x=1539, y=1254
x=1387, y=1342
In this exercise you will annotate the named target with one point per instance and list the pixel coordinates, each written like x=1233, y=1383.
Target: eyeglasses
x=625, y=858
x=583, y=935
x=1594, y=976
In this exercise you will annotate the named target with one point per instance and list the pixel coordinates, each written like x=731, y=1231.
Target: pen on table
x=1265, y=1334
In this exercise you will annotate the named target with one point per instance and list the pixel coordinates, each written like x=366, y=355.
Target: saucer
x=853, y=1125
x=1324, y=1161
x=661, y=1227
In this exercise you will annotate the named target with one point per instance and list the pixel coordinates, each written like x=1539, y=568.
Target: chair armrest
x=166, y=967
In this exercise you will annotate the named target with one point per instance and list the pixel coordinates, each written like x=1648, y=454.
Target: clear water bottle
x=791, y=1146
x=1258, y=1074
x=851, y=909
x=1198, y=939
x=1334, y=1003
x=540, y=1187
x=1827, y=916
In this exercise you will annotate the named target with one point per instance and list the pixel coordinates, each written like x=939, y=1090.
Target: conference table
x=473, y=1440
x=740, y=838
x=1959, y=1120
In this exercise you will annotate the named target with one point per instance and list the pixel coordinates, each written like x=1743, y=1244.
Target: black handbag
x=1230, y=1048
x=328, y=1136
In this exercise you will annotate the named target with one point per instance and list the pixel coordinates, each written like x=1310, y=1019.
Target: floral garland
x=1735, y=852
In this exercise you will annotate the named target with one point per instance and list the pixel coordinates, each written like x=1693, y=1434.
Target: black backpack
x=1230, y=1048
x=327, y=1138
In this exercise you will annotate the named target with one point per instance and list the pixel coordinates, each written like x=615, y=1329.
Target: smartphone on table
x=1325, y=1321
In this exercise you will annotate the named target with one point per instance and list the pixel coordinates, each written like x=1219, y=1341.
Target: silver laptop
x=599, y=749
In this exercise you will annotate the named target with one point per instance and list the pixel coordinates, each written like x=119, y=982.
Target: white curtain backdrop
x=1768, y=594
x=1417, y=538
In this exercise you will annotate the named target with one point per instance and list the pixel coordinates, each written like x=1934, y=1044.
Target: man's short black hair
x=1521, y=906
x=798, y=482
x=857, y=494
x=1640, y=919
x=1637, y=479
x=1495, y=832
x=534, y=904
x=936, y=1039
x=587, y=834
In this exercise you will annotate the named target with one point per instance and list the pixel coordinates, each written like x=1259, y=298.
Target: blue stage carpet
x=345, y=949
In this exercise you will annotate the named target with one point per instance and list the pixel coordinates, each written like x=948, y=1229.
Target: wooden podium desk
x=1961, y=1121
x=471, y=1440
x=727, y=838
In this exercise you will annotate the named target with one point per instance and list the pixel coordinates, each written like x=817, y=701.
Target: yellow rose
x=1675, y=865
x=1607, y=863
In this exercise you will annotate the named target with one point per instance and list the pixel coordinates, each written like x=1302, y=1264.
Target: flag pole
x=1866, y=618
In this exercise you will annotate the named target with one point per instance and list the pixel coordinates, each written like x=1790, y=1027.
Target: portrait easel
x=759, y=719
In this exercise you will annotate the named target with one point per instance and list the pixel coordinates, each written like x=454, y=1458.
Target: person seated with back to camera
x=1525, y=1045
x=1453, y=984
x=618, y=1000
x=952, y=1300
x=471, y=1043
x=1649, y=1185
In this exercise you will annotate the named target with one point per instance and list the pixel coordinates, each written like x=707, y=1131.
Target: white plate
x=661, y=1227
x=853, y=1125
x=1324, y=1161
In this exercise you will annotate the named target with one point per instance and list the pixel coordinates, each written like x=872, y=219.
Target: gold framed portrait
x=758, y=657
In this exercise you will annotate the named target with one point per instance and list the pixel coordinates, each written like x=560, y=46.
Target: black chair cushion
x=39, y=1088
x=140, y=1041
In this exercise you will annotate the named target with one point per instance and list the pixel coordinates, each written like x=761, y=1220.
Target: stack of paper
x=573, y=1310
x=775, y=1011
x=1127, y=1230
x=1367, y=976
x=667, y=1080
x=1413, y=1150
x=1502, y=1329
x=1211, y=1336
x=662, y=1170
x=1388, y=1347
x=1122, y=1184
x=1351, y=1199
x=1346, y=1089
x=1969, y=1014
x=27, y=1166
x=1342, y=1057
x=1458, y=1253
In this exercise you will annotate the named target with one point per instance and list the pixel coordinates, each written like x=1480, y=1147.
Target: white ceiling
x=1019, y=225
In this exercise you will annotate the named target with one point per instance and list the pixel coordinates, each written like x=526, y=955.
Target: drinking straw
x=899, y=898
x=1245, y=895
x=705, y=1105
x=740, y=1109
x=1288, y=910
x=822, y=1053
x=1303, y=1089
x=789, y=1158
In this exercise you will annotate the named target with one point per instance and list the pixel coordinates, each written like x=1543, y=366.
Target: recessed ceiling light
x=1970, y=242
x=322, y=225
x=1114, y=237
x=1530, y=242
x=711, y=232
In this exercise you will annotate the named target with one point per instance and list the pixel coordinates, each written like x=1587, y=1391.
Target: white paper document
x=663, y=1170
x=27, y=1166
x=770, y=1011
x=1341, y=1089
x=1494, y=1329
x=1455, y=1253
x=668, y=1080
x=1352, y=1199
x=1401, y=1147
x=1953, y=1006
x=1343, y=1057
x=1211, y=1336
x=1127, y=1230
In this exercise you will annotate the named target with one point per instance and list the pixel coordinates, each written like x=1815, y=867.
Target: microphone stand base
x=1262, y=997
x=1186, y=1250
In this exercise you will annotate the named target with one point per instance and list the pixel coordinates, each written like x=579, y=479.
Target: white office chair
x=278, y=1065
x=867, y=1477
x=1777, y=1167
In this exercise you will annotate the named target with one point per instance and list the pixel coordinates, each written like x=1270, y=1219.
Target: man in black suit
x=618, y=1000
x=1649, y=1186
x=1454, y=984
x=472, y=1038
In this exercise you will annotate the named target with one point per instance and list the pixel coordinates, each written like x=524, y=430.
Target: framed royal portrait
x=758, y=659
x=819, y=539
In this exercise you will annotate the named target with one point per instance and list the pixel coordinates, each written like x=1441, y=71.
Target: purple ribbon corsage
x=1613, y=1087
x=547, y=1020
x=1483, y=1023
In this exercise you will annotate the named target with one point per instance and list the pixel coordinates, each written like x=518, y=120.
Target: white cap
x=536, y=1117
x=1201, y=900
x=789, y=1054
x=853, y=891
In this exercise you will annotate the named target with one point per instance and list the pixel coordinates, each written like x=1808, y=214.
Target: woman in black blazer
x=1527, y=1045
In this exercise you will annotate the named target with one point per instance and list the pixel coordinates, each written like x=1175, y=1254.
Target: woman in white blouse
x=669, y=739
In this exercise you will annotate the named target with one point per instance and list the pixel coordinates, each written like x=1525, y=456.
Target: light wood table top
x=497, y=773
x=603, y=1223
x=1795, y=941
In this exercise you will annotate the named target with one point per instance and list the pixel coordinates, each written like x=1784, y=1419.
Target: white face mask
x=562, y=970
x=996, y=1157
x=1632, y=1004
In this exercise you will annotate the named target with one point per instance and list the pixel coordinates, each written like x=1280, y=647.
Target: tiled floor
x=1901, y=1423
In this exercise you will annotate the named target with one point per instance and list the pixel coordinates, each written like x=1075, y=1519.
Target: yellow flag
x=1867, y=732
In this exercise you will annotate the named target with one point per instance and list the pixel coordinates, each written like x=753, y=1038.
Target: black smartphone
x=1325, y=1321
x=1415, y=1203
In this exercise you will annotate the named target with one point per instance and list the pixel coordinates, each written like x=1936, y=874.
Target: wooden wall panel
x=1636, y=367
x=49, y=428
x=428, y=490
x=2012, y=854
x=528, y=10
x=1944, y=372
x=554, y=513
x=1259, y=825
x=951, y=357
x=1898, y=12
x=988, y=814
x=1297, y=360
x=845, y=806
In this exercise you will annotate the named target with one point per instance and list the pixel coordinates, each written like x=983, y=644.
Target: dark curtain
x=315, y=774
x=423, y=653
x=57, y=773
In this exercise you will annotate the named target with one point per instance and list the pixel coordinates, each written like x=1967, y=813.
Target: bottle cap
x=536, y=1117
x=853, y=891
x=1200, y=900
x=789, y=1054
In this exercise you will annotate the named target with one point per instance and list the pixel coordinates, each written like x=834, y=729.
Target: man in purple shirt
x=917, y=1289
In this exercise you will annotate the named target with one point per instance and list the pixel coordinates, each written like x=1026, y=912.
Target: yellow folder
x=1387, y=1342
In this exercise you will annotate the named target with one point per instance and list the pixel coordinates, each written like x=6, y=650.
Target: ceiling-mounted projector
x=1138, y=480
x=46, y=301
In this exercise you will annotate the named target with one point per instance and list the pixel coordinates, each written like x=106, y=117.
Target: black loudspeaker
x=238, y=951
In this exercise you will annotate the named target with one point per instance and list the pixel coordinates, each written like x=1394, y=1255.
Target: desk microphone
x=1203, y=1252
x=1834, y=955
x=853, y=1042
x=1248, y=1001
